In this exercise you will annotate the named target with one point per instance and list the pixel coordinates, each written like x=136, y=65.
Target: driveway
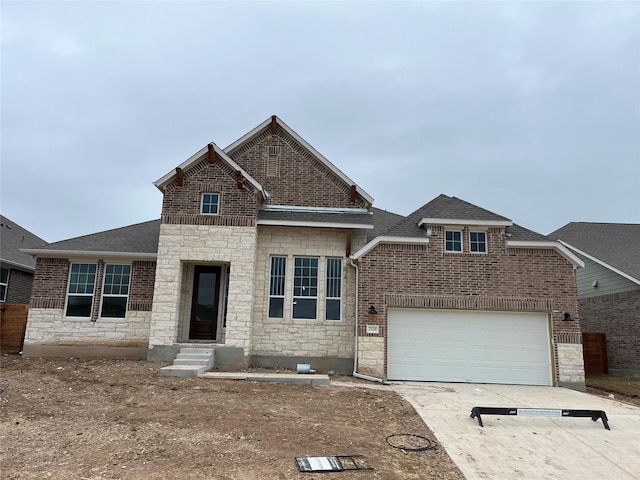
x=528, y=447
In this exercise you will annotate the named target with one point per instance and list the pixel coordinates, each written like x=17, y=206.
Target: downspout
x=355, y=357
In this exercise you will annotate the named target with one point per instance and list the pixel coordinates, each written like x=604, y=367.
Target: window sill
x=111, y=320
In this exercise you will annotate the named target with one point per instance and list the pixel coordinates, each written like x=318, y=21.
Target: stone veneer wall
x=424, y=276
x=571, y=365
x=48, y=327
x=182, y=245
x=303, y=338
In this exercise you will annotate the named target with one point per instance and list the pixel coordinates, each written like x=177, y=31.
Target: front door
x=204, y=304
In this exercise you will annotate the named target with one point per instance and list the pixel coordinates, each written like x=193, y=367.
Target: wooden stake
x=239, y=179
x=212, y=154
x=180, y=175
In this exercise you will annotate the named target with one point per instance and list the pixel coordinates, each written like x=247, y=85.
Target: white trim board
x=600, y=262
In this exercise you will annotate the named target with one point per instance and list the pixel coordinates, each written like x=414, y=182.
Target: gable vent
x=272, y=162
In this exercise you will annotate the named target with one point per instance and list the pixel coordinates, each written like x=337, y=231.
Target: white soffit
x=469, y=222
x=87, y=254
x=399, y=240
x=564, y=251
x=299, y=223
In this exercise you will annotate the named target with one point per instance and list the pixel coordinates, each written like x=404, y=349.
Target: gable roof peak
x=274, y=123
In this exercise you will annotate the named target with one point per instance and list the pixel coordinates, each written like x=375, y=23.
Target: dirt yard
x=118, y=419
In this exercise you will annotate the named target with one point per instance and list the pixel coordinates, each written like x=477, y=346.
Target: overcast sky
x=530, y=110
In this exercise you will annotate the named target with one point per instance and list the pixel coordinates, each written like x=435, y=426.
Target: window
x=276, y=287
x=82, y=280
x=453, y=241
x=305, y=287
x=115, y=291
x=210, y=203
x=478, y=242
x=4, y=283
x=334, y=288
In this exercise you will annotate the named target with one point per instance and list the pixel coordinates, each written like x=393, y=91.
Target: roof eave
x=36, y=252
x=162, y=182
x=562, y=250
x=300, y=223
x=470, y=222
x=20, y=266
x=387, y=239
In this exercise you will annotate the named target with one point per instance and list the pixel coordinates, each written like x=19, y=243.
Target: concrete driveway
x=528, y=447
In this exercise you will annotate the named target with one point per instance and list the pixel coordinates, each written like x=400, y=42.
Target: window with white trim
x=333, y=292
x=4, y=283
x=82, y=281
x=453, y=241
x=305, y=288
x=478, y=242
x=210, y=203
x=115, y=291
x=276, y=287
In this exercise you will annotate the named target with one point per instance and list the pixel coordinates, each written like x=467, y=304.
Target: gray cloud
x=531, y=110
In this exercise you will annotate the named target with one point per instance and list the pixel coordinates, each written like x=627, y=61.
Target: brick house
x=609, y=287
x=16, y=267
x=270, y=255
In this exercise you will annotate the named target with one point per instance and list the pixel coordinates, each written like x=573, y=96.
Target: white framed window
x=305, y=288
x=453, y=241
x=210, y=203
x=82, y=281
x=333, y=292
x=276, y=286
x=4, y=284
x=115, y=291
x=478, y=242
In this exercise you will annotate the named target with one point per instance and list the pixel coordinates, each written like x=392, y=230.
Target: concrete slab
x=298, y=379
x=528, y=447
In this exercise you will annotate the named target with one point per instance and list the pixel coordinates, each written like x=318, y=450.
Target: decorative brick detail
x=218, y=220
x=301, y=179
x=141, y=290
x=470, y=302
x=618, y=317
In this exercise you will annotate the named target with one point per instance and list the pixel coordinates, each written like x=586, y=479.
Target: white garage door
x=468, y=346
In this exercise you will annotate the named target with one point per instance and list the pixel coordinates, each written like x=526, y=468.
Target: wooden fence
x=13, y=323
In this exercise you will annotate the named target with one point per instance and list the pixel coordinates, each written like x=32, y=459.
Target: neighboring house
x=271, y=255
x=16, y=267
x=609, y=286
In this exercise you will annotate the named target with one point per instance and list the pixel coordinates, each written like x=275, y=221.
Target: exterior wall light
x=567, y=317
x=372, y=310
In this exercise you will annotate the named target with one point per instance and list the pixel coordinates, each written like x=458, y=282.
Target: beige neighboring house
x=269, y=255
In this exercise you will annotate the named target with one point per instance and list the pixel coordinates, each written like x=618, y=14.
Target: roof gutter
x=85, y=253
x=20, y=266
x=562, y=250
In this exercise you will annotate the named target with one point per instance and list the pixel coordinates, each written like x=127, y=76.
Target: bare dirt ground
x=623, y=388
x=118, y=419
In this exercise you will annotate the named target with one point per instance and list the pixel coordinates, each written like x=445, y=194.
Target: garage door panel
x=468, y=346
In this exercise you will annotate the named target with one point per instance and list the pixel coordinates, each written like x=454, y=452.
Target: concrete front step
x=298, y=379
x=190, y=362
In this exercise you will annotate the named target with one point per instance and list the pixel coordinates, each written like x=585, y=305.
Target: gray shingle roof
x=364, y=219
x=13, y=237
x=442, y=207
x=617, y=244
x=382, y=222
x=138, y=238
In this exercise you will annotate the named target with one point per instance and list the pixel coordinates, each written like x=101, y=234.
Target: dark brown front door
x=204, y=305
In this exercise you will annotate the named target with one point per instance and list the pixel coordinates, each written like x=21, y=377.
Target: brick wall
x=181, y=205
x=50, y=283
x=618, y=317
x=292, y=176
x=503, y=279
x=143, y=276
x=19, y=288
